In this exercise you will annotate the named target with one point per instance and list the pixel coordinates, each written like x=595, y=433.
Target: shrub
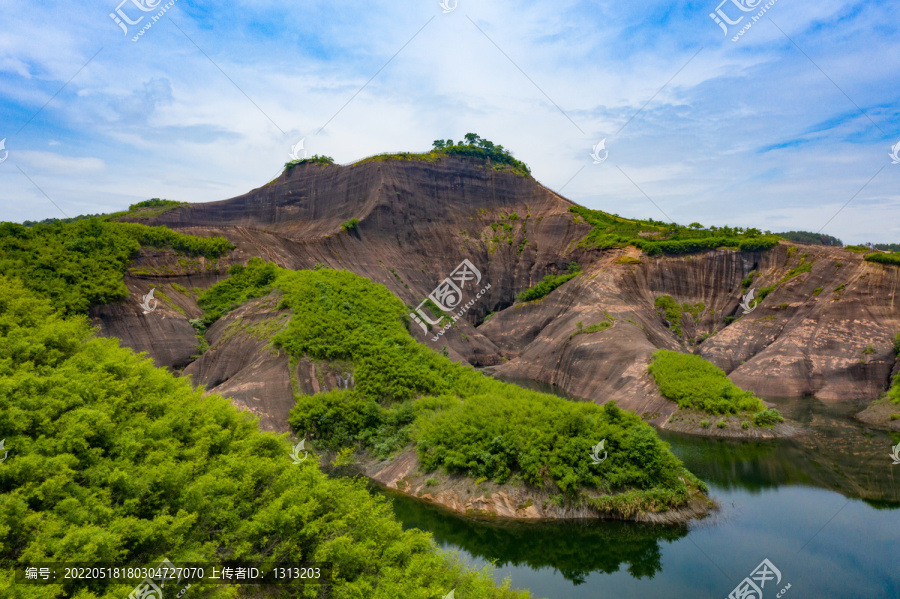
x=628, y=260
x=594, y=328
x=82, y=263
x=704, y=424
x=858, y=249
x=880, y=258
x=152, y=466
x=721, y=424
x=767, y=418
x=549, y=283
x=745, y=425
x=671, y=311
x=350, y=226
x=817, y=291
x=695, y=383
x=408, y=395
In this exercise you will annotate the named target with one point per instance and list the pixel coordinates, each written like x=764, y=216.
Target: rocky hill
x=824, y=330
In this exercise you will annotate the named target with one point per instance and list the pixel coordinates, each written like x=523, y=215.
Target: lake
x=824, y=509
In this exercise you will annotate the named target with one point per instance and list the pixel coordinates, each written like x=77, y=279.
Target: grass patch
x=656, y=237
x=594, y=328
x=694, y=383
x=549, y=283
x=628, y=260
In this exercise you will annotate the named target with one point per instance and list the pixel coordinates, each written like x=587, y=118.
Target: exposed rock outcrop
x=825, y=332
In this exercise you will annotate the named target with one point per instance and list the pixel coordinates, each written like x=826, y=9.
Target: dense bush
x=549, y=283
x=813, y=238
x=245, y=282
x=82, y=263
x=457, y=419
x=696, y=384
x=611, y=231
x=671, y=311
x=769, y=417
x=315, y=159
x=881, y=258
x=477, y=147
x=350, y=225
x=114, y=461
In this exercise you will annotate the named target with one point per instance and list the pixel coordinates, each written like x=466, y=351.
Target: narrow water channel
x=824, y=509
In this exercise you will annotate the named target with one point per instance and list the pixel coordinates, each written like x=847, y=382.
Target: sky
x=788, y=125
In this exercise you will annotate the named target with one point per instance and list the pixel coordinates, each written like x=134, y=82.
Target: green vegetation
x=594, y=328
x=628, y=260
x=350, y=226
x=658, y=237
x=696, y=384
x=881, y=258
x=459, y=420
x=315, y=159
x=817, y=291
x=473, y=146
x=149, y=208
x=245, y=283
x=810, y=238
x=893, y=393
x=769, y=417
x=671, y=311
x=82, y=263
x=549, y=283
x=112, y=460
x=858, y=249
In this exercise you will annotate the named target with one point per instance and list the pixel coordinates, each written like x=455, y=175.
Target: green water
x=824, y=508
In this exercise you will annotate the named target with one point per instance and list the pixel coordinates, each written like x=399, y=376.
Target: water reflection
x=837, y=453
x=574, y=549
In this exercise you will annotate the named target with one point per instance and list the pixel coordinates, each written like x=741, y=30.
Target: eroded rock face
x=826, y=333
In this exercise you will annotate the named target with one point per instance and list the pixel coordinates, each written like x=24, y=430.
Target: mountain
x=824, y=327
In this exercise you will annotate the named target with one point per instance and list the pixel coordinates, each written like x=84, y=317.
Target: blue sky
x=778, y=130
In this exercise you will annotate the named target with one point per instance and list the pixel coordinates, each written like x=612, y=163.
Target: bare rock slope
x=826, y=330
